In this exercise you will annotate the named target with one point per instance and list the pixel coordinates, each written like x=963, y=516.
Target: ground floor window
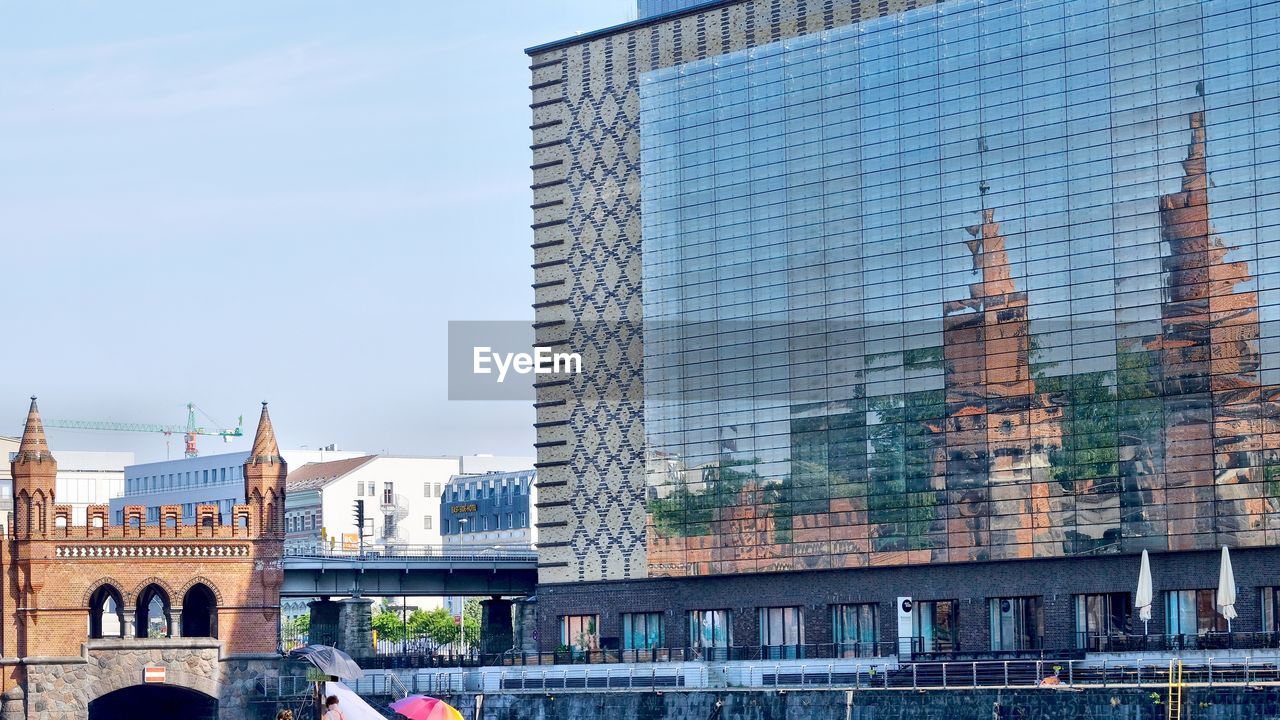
x=1100, y=615
x=642, y=631
x=1271, y=609
x=1017, y=623
x=580, y=632
x=781, y=631
x=710, y=630
x=854, y=629
x=935, y=625
x=1192, y=612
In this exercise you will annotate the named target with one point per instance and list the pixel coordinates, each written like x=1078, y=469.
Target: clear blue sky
x=226, y=202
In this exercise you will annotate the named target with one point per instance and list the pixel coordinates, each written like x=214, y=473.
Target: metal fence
x=1177, y=643
x=1049, y=675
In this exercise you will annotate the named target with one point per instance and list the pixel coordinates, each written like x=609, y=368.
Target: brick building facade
x=92, y=604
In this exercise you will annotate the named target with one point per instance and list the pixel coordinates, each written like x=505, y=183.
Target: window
x=854, y=629
x=781, y=631
x=710, y=632
x=426, y=489
x=1017, y=623
x=642, y=631
x=934, y=625
x=1192, y=612
x=445, y=527
x=426, y=522
x=388, y=493
x=1101, y=615
x=1271, y=609
x=580, y=632
x=437, y=489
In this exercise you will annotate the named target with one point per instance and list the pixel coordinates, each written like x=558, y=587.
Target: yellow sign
x=350, y=541
x=463, y=508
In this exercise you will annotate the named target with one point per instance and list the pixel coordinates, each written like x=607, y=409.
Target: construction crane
x=190, y=431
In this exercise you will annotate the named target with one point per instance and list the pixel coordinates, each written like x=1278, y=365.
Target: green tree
x=471, y=623
x=437, y=625
x=388, y=625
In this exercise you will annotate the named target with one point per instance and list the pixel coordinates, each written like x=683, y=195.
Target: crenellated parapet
x=171, y=525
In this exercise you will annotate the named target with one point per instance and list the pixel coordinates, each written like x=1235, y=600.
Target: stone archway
x=162, y=702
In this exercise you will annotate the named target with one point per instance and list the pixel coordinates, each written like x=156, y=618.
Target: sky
x=230, y=202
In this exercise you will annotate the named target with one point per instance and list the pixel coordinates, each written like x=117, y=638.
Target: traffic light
x=359, y=512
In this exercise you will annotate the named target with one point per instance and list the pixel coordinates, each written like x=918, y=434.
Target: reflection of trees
x=688, y=512
x=900, y=505
x=1111, y=421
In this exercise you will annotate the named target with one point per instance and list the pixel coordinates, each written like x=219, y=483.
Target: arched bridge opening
x=155, y=702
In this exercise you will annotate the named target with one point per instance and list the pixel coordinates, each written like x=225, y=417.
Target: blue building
x=205, y=480
x=488, y=509
x=208, y=480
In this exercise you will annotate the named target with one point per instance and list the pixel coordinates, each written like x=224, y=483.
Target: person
x=331, y=711
x=284, y=715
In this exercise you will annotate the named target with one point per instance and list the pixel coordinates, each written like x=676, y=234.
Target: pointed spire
x=34, y=448
x=265, y=450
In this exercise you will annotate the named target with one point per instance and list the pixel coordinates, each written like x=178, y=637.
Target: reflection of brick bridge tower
x=87, y=610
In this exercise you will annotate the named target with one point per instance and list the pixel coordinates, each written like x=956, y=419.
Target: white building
x=84, y=479
x=401, y=496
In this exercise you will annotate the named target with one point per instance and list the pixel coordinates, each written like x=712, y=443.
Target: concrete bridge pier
x=355, y=626
x=496, y=630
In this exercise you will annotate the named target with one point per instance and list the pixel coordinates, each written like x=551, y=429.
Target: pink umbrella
x=421, y=707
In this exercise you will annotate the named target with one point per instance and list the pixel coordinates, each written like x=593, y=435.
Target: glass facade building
x=976, y=281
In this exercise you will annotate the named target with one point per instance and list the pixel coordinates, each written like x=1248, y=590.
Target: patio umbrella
x=330, y=661
x=1144, y=595
x=1226, y=601
x=421, y=707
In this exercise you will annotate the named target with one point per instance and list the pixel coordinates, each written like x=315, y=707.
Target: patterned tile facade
x=587, y=270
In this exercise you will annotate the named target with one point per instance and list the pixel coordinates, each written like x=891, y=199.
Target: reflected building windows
x=580, y=632
x=1100, y=615
x=781, y=632
x=854, y=630
x=1192, y=612
x=710, y=633
x=934, y=625
x=1270, y=609
x=642, y=631
x=1017, y=623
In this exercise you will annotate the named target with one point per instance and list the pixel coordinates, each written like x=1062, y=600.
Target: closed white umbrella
x=1145, y=595
x=1226, y=589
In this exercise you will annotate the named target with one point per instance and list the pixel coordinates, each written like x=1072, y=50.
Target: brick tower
x=264, y=479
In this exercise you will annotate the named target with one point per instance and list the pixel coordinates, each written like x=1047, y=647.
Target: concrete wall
x=1100, y=704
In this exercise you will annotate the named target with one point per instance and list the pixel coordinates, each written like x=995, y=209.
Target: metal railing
x=443, y=552
x=1176, y=643
x=576, y=656
x=836, y=675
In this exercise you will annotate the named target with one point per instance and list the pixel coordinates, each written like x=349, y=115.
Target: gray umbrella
x=330, y=661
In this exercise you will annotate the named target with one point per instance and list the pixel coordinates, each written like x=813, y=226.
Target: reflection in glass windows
x=909, y=298
x=710, y=634
x=642, y=631
x=1017, y=623
x=1192, y=612
x=781, y=632
x=854, y=630
x=1100, y=615
x=580, y=632
x=1271, y=609
x=934, y=625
